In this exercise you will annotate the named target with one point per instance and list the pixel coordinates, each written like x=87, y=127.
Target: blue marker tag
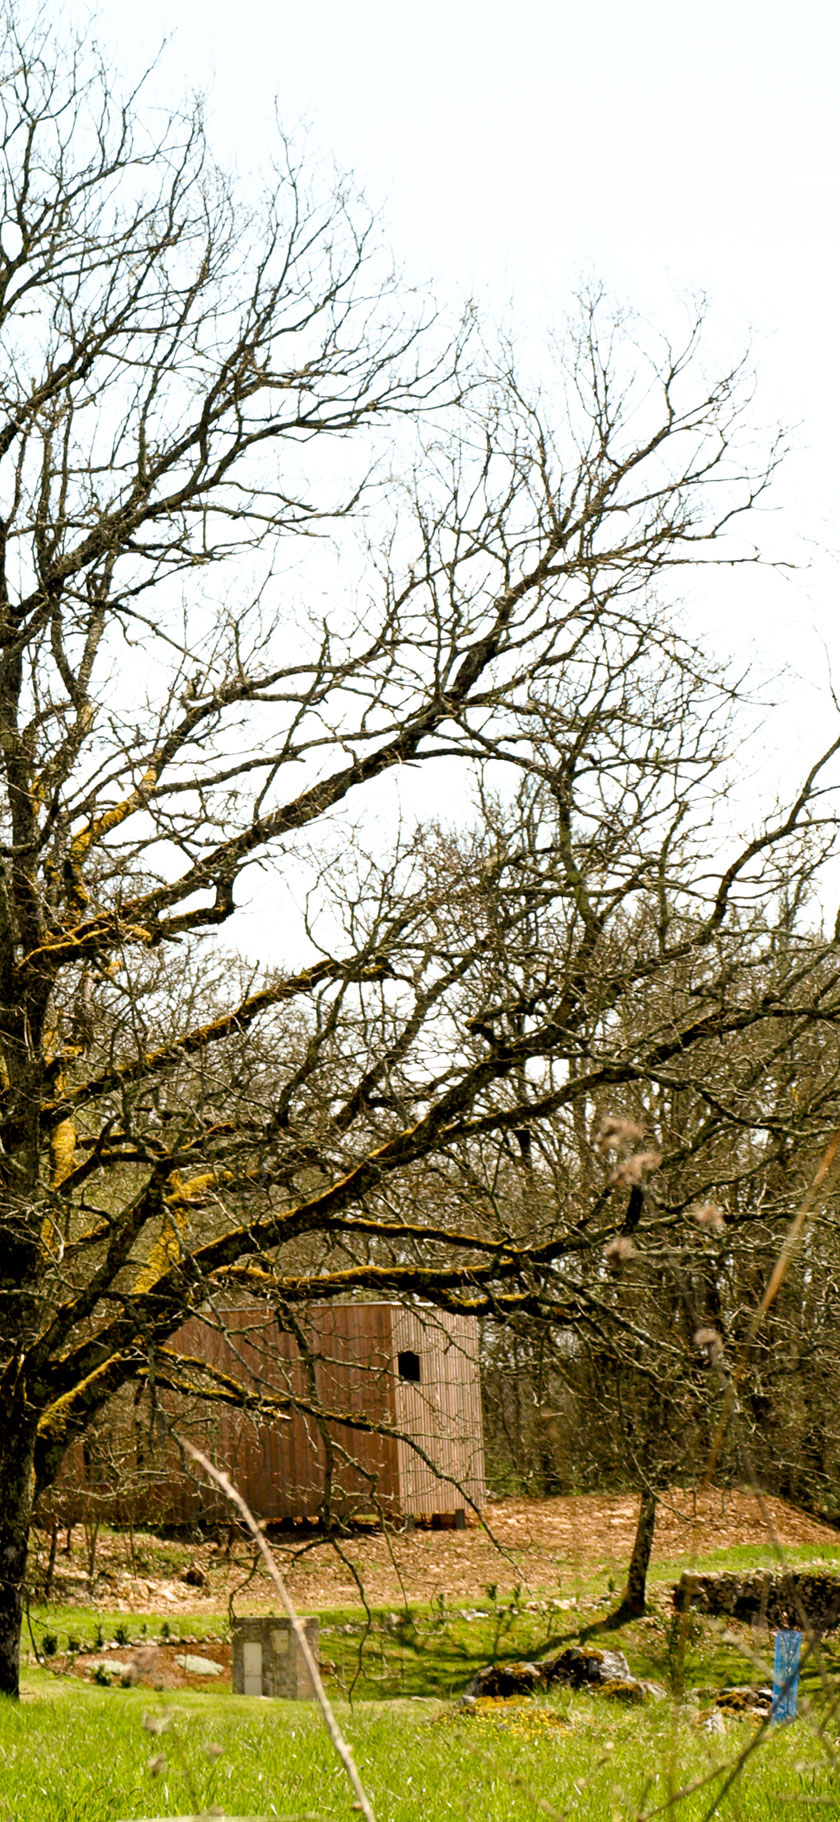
x=786, y=1675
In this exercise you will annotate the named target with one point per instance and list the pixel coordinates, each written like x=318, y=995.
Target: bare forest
x=561, y=1052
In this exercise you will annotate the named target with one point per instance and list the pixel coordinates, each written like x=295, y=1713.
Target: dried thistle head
x=710, y=1218
x=157, y=1723
x=618, y=1250
x=709, y=1341
x=636, y=1169
x=616, y=1132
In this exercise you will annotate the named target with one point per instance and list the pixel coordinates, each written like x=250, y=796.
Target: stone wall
x=762, y=1597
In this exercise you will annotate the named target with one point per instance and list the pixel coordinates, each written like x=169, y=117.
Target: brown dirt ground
x=547, y=1540
x=157, y=1667
x=538, y=1542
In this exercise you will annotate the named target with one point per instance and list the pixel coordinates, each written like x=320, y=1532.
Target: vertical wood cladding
x=412, y=1370
x=440, y=1411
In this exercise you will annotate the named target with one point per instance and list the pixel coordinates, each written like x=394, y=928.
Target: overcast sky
x=512, y=148
x=663, y=147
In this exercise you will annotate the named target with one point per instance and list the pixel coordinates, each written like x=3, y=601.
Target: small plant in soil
x=404, y=1627
x=684, y=1631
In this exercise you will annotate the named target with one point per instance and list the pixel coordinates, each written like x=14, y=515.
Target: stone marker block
x=267, y=1659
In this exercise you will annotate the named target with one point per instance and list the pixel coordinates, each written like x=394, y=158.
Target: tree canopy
x=195, y=386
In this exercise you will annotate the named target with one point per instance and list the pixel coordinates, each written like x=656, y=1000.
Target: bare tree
x=187, y=382
x=732, y=1129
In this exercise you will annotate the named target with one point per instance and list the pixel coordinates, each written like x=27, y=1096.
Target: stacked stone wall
x=762, y=1597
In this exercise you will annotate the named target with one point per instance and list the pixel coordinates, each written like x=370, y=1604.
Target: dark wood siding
x=347, y=1366
x=280, y=1468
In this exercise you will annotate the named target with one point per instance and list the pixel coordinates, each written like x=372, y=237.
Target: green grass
x=434, y=1652
x=93, y=1627
x=749, y=1556
x=72, y=1752
x=437, y=1651
x=82, y=1755
x=431, y=1651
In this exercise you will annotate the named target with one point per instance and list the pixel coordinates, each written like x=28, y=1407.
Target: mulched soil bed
x=542, y=1541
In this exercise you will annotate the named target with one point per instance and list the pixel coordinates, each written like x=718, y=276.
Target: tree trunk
x=48, y=1578
x=16, y=1493
x=632, y=1603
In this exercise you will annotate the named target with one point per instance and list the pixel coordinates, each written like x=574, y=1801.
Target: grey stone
x=114, y=1669
x=582, y=1664
x=506, y=1680
x=745, y=1698
x=197, y=1666
x=760, y=1597
x=578, y=1666
x=267, y=1659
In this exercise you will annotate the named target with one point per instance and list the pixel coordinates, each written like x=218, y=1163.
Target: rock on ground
x=578, y=1667
x=196, y=1666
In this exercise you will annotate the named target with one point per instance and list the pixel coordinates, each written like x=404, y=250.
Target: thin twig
x=343, y=1750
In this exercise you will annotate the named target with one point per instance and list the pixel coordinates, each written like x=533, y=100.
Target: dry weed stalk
x=342, y=1748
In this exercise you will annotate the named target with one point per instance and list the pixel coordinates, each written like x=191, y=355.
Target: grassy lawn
x=74, y=1752
x=83, y=1756
x=434, y=1651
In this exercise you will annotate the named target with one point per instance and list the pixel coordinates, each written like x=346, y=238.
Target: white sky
x=661, y=147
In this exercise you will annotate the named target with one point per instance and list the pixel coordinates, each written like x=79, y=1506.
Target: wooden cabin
x=412, y=1370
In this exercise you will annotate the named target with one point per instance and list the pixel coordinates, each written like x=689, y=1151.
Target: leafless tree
x=733, y=1129
x=192, y=387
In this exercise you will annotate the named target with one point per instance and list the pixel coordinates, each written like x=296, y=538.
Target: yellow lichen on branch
x=167, y=1249
x=192, y=1193
x=62, y=1152
x=59, y=1417
x=111, y=819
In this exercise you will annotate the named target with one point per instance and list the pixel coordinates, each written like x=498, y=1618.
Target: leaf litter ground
x=538, y=1543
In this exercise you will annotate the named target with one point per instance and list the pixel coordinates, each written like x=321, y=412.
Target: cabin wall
x=350, y=1368
x=280, y=1468
x=441, y=1412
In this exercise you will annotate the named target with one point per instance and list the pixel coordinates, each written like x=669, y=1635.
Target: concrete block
x=267, y=1659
